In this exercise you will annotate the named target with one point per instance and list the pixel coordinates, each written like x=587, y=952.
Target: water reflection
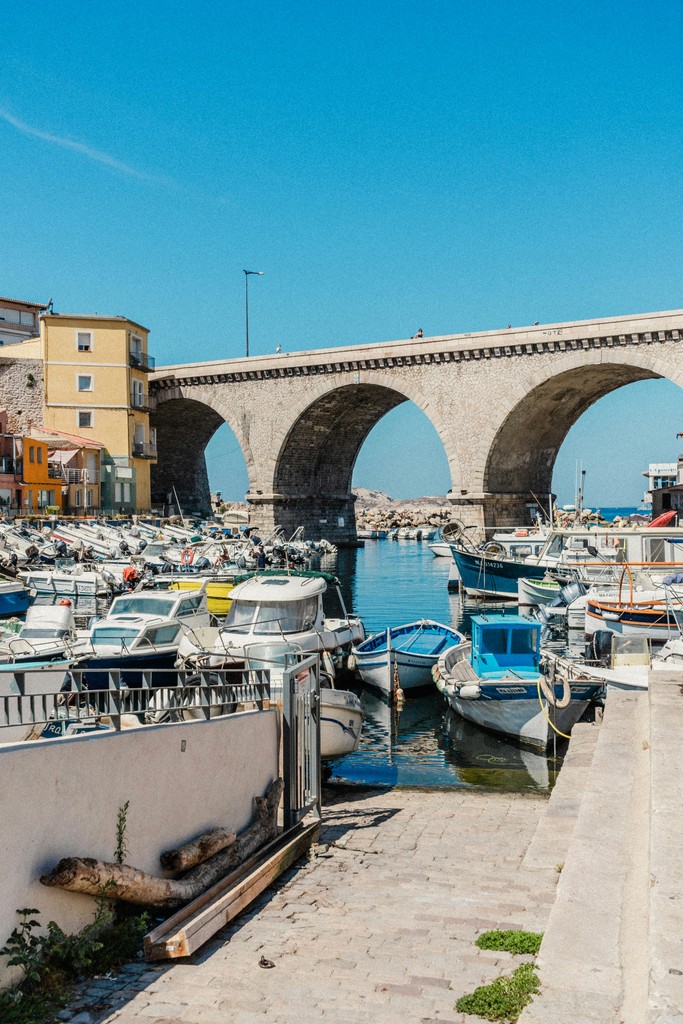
x=423, y=744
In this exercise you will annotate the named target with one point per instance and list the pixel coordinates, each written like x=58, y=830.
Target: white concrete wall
x=60, y=798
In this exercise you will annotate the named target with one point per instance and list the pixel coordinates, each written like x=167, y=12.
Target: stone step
x=665, y=887
x=594, y=928
x=550, y=843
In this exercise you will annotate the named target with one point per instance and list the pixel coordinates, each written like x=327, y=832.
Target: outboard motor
x=571, y=592
x=60, y=549
x=31, y=553
x=599, y=648
x=202, y=563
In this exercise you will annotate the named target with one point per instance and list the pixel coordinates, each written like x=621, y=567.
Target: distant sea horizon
x=611, y=513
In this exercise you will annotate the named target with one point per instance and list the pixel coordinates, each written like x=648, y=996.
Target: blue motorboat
x=411, y=651
x=497, y=682
x=489, y=574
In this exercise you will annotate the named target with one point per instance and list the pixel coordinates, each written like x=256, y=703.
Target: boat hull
x=14, y=599
x=410, y=651
x=520, y=716
x=656, y=622
x=341, y=722
x=531, y=593
x=483, y=576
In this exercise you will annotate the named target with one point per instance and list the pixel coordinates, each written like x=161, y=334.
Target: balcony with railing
x=141, y=361
x=55, y=471
x=141, y=402
x=75, y=476
x=144, y=450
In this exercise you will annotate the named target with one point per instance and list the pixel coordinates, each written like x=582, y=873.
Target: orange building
x=28, y=481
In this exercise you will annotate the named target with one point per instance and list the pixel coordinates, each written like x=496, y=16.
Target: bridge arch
x=518, y=450
x=185, y=424
x=315, y=451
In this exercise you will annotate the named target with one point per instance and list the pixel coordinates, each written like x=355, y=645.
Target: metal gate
x=301, y=740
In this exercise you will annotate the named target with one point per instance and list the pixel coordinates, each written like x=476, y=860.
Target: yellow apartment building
x=95, y=386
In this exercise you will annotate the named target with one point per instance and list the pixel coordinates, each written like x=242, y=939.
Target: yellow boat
x=217, y=591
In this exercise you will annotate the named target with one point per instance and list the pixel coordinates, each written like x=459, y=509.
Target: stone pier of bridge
x=501, y=402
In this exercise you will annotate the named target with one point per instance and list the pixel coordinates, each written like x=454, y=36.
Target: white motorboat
x=276, y=618
x=272, y=605
x=47, y=634
x=76, y=581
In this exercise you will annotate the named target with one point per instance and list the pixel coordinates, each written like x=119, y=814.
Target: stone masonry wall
x=21, y=393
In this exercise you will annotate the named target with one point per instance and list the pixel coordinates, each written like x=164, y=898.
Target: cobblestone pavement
x=378, y=926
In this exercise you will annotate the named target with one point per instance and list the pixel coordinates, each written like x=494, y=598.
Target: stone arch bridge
x=501, y=402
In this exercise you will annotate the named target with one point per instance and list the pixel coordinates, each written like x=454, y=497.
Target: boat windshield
x=107, y=636
x=42, y=634
x=143, y=605
x=272, y=616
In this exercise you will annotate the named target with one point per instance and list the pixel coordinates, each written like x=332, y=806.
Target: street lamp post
x=258, y=273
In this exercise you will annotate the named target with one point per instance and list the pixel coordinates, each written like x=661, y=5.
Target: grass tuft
x=511, y=941
x=505, y=998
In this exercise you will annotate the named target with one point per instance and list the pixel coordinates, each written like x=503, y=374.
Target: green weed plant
x=51, y=961
x=511, y=941
x=505, y=998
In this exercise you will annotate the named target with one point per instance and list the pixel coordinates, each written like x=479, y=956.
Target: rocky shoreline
x=376, y=510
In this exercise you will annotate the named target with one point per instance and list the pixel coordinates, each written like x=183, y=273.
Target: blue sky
x=388, y=166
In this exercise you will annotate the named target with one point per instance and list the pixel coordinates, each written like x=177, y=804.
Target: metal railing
x=144, y=450
x=61, y=697
x=142, y=402
x=76, y=476
x=141, y=361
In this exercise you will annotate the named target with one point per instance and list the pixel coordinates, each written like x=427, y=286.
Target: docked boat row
x=587, y=554
x=275, y=619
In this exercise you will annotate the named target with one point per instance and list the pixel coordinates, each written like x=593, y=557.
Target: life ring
x=187, y=556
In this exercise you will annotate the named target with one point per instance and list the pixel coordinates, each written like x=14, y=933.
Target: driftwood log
x=200, y=849
x=121, y=882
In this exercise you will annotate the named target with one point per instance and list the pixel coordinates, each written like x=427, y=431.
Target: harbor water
x=423, y=743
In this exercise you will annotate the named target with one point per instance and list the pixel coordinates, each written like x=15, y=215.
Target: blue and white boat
x=412, y=650
x=141, y=631
x=496, y=681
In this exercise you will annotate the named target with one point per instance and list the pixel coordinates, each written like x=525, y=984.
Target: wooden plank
x=177, y=919
x=188, y=929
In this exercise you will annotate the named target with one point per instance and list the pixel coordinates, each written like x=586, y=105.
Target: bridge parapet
x=643, y=329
